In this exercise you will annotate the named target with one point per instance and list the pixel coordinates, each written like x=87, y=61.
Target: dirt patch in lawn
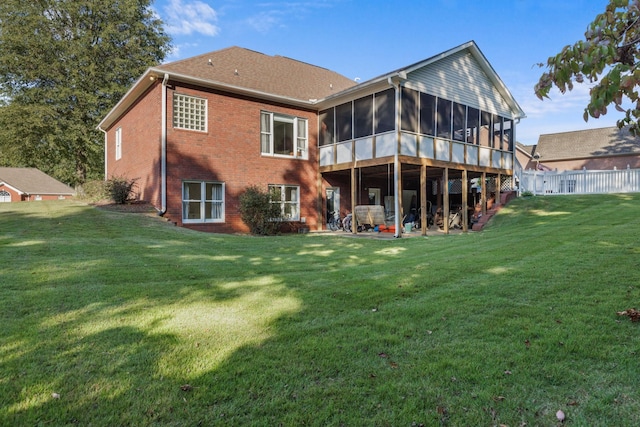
x=129, y=207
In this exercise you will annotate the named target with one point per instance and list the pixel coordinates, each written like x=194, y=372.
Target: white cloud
x=572, y=101
x=276, y=14
x=176, y=51
x=188, y=17
x=265, y=21
x=558, y=113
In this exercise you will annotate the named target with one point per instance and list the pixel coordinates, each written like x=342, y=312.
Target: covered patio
x=424, y=195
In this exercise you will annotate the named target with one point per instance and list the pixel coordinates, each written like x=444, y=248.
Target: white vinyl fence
x=580, y=182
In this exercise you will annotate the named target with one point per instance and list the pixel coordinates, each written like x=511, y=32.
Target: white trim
x=13, y=188
x=203, y=200
x=5, y=196
x=283, y=202
x=298, y=152
x=191, y=105
x=118, y=134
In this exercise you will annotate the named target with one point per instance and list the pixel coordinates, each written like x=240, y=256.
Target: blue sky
x=364, y=39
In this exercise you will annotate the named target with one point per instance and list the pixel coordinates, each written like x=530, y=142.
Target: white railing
x=580, y=182
x=385, y=145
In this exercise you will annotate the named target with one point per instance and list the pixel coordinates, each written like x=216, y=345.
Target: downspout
x=396, y=177
x=163, y=148
x=105, y=153
x=513, y=157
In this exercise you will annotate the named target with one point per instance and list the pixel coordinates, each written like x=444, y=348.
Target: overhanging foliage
x=608, y=57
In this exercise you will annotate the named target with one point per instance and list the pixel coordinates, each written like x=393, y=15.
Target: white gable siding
x=460, y=78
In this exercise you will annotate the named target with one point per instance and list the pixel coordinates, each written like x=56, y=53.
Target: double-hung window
x=288, y=198
x=202, y=201
x=282, y=135
x=118, y=143
x=189, y=112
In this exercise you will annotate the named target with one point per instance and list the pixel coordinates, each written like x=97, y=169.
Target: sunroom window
x=202, y=201
x=288, y=198
x=282, y=135
x=443, y=118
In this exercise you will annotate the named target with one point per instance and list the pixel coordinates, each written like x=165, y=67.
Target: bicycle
x=334, y=222
x=347, y=222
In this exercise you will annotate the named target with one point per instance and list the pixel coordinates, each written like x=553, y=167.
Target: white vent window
x=189, y=112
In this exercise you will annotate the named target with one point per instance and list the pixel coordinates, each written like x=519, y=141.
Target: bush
x=257, y=211
x=120, y=189
x=93, y=191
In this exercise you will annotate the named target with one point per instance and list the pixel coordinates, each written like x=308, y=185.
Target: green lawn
x=122, y=319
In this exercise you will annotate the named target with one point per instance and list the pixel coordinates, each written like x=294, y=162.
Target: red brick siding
x=229, y=152
x=32, y=197
x=597, y=163
x=17, y=197
x=141, y=143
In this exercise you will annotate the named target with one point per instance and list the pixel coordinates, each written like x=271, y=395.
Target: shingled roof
x=602, y=142
x=33, y=181
x=277, y=75
x=527, y=149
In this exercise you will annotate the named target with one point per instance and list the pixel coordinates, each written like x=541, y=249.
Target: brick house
x=197, y=132
x=592, y=149
x=31, y=184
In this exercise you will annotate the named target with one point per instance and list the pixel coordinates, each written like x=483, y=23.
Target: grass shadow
x=134, y=322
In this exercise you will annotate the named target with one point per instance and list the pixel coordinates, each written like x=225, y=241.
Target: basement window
x=202, y=201
x=288, y=198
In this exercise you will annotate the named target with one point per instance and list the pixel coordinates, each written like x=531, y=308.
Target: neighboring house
x=29, y=184
x=197, y=132
x=593, y=149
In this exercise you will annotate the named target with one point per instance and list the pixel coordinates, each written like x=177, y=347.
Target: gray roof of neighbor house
x=33, y=181
x=277, y=75
x=602, y=142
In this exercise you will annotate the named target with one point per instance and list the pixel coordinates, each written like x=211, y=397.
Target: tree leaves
x=74, y=60
x=609, y=54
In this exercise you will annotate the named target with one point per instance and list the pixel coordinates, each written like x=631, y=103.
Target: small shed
x=31, y=184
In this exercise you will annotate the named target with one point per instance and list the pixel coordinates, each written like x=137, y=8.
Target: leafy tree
x=609, y=55
x=63, y=65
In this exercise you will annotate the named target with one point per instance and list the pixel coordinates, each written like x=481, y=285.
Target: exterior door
x=374, y=196
x=333, y=201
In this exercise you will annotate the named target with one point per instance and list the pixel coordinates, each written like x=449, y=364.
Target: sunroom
x=395, y=141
